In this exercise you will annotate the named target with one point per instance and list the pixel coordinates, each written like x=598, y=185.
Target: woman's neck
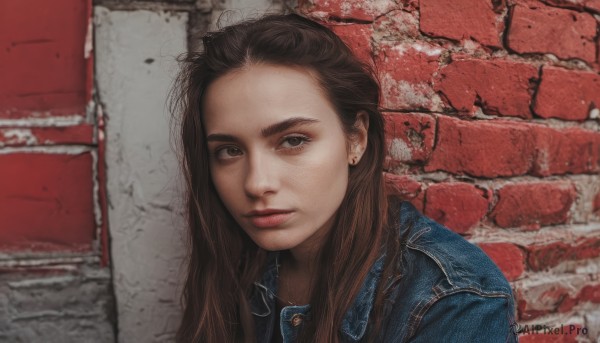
x=304, y=257
x=295, y=280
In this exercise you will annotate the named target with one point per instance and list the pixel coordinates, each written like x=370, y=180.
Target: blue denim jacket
x=450, y=291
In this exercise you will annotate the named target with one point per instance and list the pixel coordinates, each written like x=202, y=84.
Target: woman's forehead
x=264, y=94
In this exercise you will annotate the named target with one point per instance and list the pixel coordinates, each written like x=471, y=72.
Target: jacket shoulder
x=461, y=263
x=443, y=279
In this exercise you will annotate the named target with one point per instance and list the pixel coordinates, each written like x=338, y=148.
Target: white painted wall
x=135, y=66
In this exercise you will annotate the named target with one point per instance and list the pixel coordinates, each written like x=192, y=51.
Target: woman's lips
x=270, y=220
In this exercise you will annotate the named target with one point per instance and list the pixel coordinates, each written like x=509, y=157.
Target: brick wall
x=494, y=130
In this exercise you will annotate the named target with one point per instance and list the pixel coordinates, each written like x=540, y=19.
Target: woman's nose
x=260, y=176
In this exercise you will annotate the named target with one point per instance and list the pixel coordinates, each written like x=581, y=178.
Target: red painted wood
x=43, y=71
x=46, y=201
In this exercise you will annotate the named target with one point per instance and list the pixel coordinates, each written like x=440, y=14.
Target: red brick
x=536, y=28
x=574, y=151
x=402, y=185
x=567, y=94
x=533, y=204
x=538, y=300
x=66, y=135
x=45, y=72
x=596, y=205
x=459, y=206
x=358, y=38
x=590, y=293
x=550, y=255
x=545, y=256
x=505, y=148
x=508, y=257
x=406, y=71
x=552, y=296
x=46, y=201
x=462, y=19
x=498, y=87
x=347, y=9
x=592, y=5
x=409, y=136
x=482, y=148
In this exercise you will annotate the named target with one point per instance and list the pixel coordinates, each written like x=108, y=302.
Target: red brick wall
x=50, y=191
x=493, y=130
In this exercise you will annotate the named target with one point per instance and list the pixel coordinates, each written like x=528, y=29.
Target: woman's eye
x=294, y=142
x=227, y=152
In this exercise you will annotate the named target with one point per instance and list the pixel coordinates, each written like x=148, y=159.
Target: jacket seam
x=414, y=247
x=415, y=319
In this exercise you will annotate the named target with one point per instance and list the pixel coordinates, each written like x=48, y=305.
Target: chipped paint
x=427, y=49
x=88, y=46
x=69, y=150
x=400, y=151
x=51, y=121
x=18, y=136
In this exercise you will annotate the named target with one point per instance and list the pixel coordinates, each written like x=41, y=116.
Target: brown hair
x=223, y=261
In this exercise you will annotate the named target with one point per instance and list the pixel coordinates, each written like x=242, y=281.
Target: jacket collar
x=354, y=323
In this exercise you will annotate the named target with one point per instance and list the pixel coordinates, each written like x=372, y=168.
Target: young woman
x=293, y=237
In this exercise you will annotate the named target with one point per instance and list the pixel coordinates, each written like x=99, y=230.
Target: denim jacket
x=450, y=291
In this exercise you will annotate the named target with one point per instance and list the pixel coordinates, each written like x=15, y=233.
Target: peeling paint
x=418, y=95
x=400, y=150
x=428, y=50
x=52, y=121
x=88, y=46
x=70, y=150
x=19, y=261
x=18, y=136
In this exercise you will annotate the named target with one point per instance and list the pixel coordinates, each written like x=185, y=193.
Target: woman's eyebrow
x=267, y=131
x=286, y=124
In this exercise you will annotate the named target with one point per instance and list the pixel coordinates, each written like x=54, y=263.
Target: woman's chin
x=275, y=245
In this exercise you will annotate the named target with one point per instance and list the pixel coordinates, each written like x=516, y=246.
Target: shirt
x=450, y=291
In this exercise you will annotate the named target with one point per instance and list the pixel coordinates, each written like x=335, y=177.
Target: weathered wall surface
x=493, y=130
x=135, y=65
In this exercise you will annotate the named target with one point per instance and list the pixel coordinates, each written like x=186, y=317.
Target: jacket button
x=296, y=319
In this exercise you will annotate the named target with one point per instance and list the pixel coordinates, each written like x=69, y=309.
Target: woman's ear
x=358, y=139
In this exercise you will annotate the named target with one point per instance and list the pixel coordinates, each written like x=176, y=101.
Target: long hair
x=223, y=261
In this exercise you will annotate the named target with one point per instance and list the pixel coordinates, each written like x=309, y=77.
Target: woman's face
x=276, y=146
